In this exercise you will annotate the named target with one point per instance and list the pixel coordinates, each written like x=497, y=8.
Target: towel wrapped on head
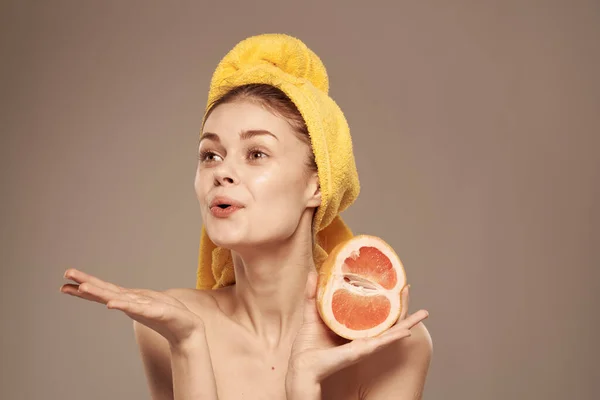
x=287, y=63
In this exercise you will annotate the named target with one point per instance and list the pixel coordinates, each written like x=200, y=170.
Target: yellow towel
x=287, y=63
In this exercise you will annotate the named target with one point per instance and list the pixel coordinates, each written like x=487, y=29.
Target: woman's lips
x=223, y=212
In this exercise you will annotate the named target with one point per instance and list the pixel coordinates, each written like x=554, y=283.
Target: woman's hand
x=191, y=374
x=156, y=310
x=317, y=352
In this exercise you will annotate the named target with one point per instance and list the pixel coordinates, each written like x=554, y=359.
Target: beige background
x=476, y=127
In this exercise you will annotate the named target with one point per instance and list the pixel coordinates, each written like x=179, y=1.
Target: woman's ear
x=314, y=191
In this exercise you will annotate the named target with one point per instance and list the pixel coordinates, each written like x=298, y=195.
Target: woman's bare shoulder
x=400, y=370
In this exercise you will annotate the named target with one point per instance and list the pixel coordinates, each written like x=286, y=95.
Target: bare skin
x=241, y=366
x=245, y=368
x=260, y=338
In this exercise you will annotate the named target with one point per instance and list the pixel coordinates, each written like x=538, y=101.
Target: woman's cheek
x=200, y=184
x=271, y=190
x=263, y=182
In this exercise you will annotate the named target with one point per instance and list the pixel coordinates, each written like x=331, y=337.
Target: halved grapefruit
x=359, y=286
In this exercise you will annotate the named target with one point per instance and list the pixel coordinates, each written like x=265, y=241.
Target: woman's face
x=252, y=160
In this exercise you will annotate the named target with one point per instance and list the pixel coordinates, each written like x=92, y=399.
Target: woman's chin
x=237, y=245
x=240, y=240
x=227, y=239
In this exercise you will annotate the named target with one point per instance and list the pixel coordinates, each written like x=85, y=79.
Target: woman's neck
x=270, y=288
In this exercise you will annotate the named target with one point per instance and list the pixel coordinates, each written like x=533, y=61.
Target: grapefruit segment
x=358, y=312
x=358, y=289
x=372, y=263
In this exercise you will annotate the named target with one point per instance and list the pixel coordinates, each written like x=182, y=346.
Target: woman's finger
x=133, y=305
x=415, y=318
x=81, y=277
x=72, y=289
x=337, y=358
x=408, y=322
x=377, y=343
x=311, y=315
x=404, y=302
x=404, y=325
x=105, y=295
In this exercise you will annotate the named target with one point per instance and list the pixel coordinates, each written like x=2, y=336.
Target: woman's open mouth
x=223, y=210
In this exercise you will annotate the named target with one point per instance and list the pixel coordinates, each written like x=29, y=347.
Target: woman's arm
x=400, y=371
x=193, y=377
x=163, y=322
x=176, y=372
x=156, y=358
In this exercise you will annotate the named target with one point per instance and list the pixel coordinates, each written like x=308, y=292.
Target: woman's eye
x=207, y=156
x=257, y=155
x=210, y=157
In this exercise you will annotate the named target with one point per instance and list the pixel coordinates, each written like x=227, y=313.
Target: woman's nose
x=225, y=175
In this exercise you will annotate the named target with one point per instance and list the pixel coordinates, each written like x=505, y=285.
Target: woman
x=275, y=169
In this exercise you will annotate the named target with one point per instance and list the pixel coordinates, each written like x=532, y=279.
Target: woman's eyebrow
x=244, y=135
x=210, y=136
x=255, y=132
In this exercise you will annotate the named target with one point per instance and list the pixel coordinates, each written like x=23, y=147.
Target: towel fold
x=287, y=63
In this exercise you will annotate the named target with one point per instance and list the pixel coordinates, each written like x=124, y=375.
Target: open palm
x=156, y=310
